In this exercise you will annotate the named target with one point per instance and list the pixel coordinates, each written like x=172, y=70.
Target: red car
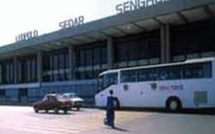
x=53, y=102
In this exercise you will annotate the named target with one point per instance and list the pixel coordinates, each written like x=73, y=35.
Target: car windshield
x=60, y=97
x=71, y=95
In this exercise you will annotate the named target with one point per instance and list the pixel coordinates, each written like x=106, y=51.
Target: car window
x=64, y=96
x=61, y=97
x=45, y=98
x=51, y=99
x=72, y=95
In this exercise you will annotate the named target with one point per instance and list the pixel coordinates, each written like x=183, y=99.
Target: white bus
x=188, y=84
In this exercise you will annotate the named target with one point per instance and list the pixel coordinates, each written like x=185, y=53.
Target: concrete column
x=19, y=70
x=162, y=38
x=110, y=53
x=39, y=66
x=15, y=63
x=165, y=43
x=71, y=62
x=1, y=73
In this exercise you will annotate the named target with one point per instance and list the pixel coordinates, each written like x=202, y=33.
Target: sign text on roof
x=27, y=35
x=137, y=4
x=72, y=22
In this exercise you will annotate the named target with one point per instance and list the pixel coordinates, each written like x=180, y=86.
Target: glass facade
x=90, y=60
x=27, y=69
x=7, y=71
x=56, y=65
x=137, y=47
x=195, y=37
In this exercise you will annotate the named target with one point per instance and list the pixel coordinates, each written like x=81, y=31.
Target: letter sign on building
x=27, y=35
x=137, y=4
x=72, y=22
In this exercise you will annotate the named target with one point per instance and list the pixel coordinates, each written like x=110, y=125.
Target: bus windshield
x=107, y=80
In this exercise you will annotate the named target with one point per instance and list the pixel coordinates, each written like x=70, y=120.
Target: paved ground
x=23, y=120
x=163, y=123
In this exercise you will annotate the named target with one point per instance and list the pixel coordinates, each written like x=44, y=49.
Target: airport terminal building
x=69, y=60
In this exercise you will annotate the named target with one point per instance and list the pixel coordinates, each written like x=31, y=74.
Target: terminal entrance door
x=23, y=95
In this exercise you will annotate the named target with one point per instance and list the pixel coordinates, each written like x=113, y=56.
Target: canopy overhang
x=174, y=12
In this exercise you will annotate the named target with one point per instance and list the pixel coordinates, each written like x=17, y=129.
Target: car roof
x=53, y=94
x=72, y=93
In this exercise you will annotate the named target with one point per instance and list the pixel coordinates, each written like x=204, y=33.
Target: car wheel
x=56, y=110
x=65, y=111
x=36, y=110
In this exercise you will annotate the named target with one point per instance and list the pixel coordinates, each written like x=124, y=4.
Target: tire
x=36, y=110
x=173, y=105
x=56, y=110
x=65, y=111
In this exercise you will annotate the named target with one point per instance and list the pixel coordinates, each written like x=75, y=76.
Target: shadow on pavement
x=81, y=110
x=184, y=111
x=118, y=129
x=53, y=113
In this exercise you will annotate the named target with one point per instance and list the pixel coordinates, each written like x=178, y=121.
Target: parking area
x=23, y=119
x=16, y=119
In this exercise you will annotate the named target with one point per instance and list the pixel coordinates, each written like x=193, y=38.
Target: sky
x=20, y=16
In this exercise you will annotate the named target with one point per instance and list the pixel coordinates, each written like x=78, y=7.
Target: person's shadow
x=119, y=129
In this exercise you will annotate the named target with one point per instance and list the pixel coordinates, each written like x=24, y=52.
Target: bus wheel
x=173, y=104
x=116, y=104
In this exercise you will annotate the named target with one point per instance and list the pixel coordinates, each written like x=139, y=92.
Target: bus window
x=207, y=70
x=129, y=76
x=147, y=74
x=142, y=75
x=170, y=73
x=198, y=70
x=107, y=80
x=153, y=74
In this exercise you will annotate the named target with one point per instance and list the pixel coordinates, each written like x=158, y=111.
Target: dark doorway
x=23, y=95
x=2, y=92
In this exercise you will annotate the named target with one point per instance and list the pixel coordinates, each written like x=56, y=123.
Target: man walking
x=110, y=113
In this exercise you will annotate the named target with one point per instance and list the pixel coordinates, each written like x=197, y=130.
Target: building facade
x=69, y=60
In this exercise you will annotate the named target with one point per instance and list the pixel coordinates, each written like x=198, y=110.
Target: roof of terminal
x=173, y=12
